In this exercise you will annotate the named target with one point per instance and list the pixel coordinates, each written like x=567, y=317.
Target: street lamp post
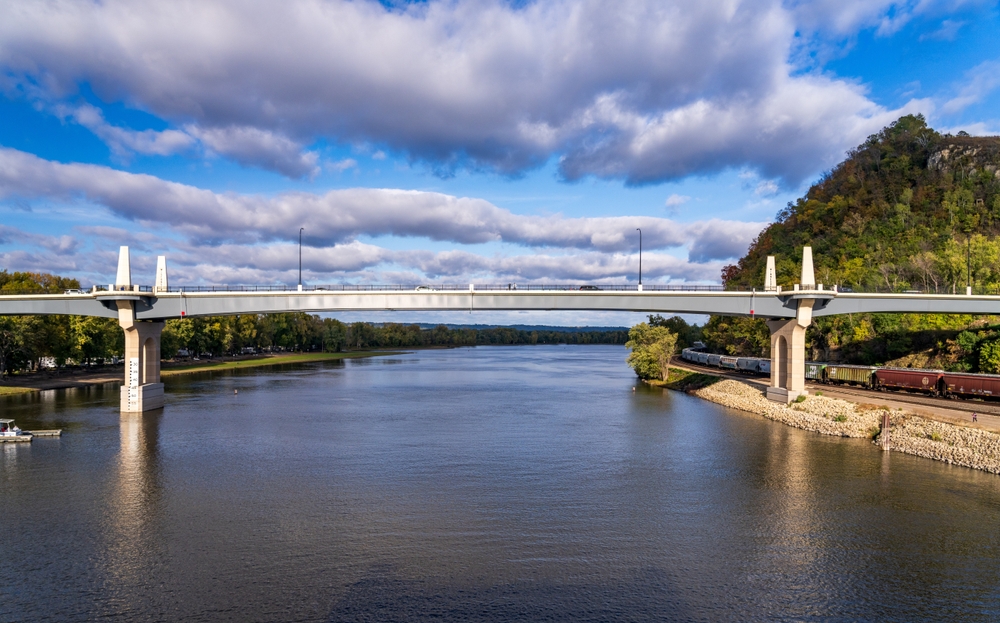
x=640, y=257
x=300, y=257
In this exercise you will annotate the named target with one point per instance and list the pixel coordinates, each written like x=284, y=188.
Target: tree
x=652, y=348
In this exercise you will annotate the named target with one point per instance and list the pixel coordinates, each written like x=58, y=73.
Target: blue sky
x=452, y=142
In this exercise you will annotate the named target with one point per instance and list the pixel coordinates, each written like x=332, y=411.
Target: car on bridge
x=589, y=288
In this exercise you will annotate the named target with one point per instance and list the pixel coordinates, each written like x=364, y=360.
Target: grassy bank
x=275, y=360
x=10, y=391
x=686, y=380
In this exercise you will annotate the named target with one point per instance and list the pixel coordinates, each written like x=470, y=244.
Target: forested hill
x=901, y=212
x=897, y=214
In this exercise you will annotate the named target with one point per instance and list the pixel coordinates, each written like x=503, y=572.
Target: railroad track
x=957, y=404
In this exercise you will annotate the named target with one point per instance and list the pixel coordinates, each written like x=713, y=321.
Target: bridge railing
x=447, y=288
x=224, y=288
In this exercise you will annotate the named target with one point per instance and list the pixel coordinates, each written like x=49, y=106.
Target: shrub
x=840, y=418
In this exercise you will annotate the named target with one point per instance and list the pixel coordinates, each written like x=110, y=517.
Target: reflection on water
x=491, y=484
x=133, y=540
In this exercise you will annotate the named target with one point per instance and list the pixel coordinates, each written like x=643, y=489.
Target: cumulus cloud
x=846, y=17
x=643, y=90
x=122, y=141
x=716, y=239
x=342, y=215
x=675, y=200
x=276, y=263
x=260, y=148
x=58, y=245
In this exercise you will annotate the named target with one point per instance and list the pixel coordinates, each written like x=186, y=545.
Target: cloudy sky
x=451, y=141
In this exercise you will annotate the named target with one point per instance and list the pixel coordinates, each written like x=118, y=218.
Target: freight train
x=931, y=382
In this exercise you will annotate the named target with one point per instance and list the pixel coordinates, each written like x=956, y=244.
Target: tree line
x=26, y=340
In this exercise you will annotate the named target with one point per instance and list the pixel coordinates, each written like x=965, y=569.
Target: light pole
x=640, y=257
x=300, y=257
x=968, y=263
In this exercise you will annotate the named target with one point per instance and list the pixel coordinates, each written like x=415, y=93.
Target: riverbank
x=908, y=433
x=63, y=379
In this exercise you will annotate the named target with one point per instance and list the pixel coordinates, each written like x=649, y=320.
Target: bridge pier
x=788, y=336
x=142, y=390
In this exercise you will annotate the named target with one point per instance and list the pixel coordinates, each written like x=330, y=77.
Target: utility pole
x=300, y=257
x=968, y=263
x=640, y=257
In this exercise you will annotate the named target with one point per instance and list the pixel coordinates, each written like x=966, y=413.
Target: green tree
x=652, y=347
x=989, y=357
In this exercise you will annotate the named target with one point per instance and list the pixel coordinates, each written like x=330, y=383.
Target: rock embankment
x=909, y=433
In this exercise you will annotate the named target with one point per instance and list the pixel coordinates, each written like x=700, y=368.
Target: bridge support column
x=788, y=341
x=788, y=360
x=142, y=390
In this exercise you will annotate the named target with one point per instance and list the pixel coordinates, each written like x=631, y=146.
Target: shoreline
x=908, y=432
x=68, y=379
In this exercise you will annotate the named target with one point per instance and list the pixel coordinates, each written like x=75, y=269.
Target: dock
x=31, y=434
x=15, y=439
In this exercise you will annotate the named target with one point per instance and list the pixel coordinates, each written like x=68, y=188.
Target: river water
x=480, y=484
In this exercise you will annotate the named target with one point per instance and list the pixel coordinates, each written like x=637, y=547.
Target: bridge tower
x=788, y=336
x=142, y=390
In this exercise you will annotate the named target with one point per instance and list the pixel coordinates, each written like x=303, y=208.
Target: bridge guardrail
x=494, y=288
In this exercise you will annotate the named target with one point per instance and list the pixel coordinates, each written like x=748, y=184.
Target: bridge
x=142, y=310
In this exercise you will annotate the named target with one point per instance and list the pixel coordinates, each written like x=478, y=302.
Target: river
x=479, y=484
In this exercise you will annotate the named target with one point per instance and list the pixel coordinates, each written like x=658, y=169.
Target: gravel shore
x=909, y=433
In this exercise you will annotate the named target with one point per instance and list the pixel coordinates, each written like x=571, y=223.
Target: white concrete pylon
x=770, y=277
x=808, y=280
x=124, y=278
x=161, y=274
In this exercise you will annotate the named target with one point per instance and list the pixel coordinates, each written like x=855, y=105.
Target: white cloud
x=977, y=83
x=342, y=215
x=675, y=200
x=261, y=148
x=641, y=90
x=766, y=188
x=122, y=141
x=278, y=264
x=847, y=17
x=341, y=165
x=947, y=32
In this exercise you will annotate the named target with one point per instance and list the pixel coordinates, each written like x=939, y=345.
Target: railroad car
x=764, y=366
x=748, y=365
x=703, y=358
x=815, y=371
x=965, y=384
x=927, y=381
x=687, y=355
x=714, y=360
x=854, y=375
x=727, y=362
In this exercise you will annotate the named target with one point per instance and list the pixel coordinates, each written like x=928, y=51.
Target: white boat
x=8, y=429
